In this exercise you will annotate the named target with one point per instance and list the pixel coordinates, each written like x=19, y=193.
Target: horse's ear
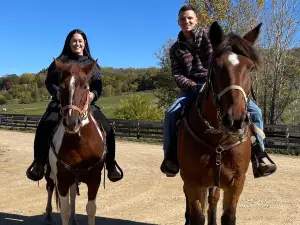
x=89, y=68
x=252, y=35
x=216, y=34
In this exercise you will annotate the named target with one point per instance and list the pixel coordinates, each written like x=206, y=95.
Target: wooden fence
x=277, y=136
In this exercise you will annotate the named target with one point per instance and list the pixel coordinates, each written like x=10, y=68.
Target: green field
x=108, y=105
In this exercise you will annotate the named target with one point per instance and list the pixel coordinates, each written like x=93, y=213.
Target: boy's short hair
x=186, y=8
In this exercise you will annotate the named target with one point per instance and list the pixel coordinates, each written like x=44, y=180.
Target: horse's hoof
x=48, y=220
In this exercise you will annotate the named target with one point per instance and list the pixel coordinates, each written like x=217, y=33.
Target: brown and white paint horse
x=78, y=148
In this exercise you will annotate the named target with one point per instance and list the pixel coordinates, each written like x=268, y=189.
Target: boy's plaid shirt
x=189, y=63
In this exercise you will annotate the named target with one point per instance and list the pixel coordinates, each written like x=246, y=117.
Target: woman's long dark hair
x=66, y=52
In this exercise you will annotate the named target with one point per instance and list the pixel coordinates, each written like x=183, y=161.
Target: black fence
x=277, y=136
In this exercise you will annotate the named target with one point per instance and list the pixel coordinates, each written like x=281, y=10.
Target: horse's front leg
x=230, y=201
x=197, y=203
x=213, y=199
x=65, y=209
x=73, y=192
x=91, y=207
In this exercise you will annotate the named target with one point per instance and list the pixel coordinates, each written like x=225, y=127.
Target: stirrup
x=256, y=165
x=116, y=179
x=30, y=175
x=170, y=172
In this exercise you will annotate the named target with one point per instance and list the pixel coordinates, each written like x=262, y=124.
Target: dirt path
x=145, y=195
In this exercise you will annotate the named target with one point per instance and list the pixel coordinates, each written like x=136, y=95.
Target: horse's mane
x=238, y=45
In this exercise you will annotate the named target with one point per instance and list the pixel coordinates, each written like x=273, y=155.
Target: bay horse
x=214, y=136
x=78, y=148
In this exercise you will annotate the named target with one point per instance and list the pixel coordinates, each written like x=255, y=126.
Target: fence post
x=114, y=126
x=12, y=122
x=138, y=131
x=25, y=120
x=287, y=135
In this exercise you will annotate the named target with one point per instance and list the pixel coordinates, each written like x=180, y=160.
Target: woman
x=75, y=50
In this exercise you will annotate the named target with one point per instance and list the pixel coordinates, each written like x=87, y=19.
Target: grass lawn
x=108, y=105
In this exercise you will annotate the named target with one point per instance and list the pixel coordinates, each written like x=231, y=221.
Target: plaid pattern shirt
x=189, y=63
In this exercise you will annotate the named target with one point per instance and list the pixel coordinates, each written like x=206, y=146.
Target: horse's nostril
x=228, y=120
x=238, y=124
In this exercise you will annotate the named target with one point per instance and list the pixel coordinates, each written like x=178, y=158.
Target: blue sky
x=120, y=33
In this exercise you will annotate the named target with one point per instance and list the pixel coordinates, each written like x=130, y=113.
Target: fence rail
x=277, y=136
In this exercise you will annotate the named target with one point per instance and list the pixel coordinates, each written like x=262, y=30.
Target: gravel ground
x=145, y=196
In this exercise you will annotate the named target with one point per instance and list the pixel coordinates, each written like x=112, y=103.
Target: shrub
x=138, y=108
x=3, y=100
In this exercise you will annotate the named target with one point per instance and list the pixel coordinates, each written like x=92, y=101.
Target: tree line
x=30, y=87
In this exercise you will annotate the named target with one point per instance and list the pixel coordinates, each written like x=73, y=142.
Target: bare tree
x=167, y=89
x=276, y=85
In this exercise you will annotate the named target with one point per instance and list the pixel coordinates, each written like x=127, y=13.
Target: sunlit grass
x=107, y=104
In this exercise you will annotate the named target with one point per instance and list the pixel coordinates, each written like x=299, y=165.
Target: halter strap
x=232, y=87
x=81, y=112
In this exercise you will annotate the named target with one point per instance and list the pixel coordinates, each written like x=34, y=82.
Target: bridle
x=217, y=98
x=82, y=112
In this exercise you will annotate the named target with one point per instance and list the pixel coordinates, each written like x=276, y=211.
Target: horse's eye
x=85, y=86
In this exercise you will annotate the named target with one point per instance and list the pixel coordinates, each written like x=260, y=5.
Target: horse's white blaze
x=72, y=90
x=57, y=140
x=233, y=59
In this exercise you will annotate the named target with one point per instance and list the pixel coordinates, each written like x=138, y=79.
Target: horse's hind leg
x=197, y=203
x=73, y=193
x=213, y=199
x=50, y=189
x=230, y=201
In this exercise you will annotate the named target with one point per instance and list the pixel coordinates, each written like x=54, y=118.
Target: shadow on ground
x=12, y=219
